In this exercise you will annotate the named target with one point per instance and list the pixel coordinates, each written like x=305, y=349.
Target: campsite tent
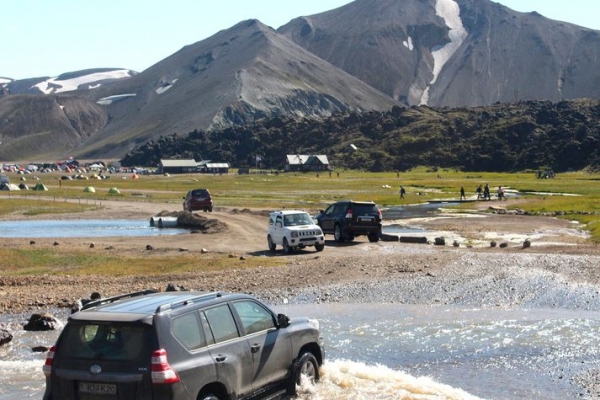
x=23, y=186
x=113, y=190
x=89, y=189
x=40, y=186
x=10, y=186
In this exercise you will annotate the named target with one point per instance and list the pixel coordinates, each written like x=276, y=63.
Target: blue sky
x=49, y=37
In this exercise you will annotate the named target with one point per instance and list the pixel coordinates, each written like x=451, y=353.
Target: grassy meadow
x=574, y=195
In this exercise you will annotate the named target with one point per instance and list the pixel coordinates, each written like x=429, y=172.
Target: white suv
x=294, y=229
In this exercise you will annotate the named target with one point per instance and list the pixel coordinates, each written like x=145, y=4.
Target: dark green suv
x=348, y=219
x=181, y=345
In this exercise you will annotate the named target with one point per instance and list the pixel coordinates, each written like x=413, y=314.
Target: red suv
x=198, y=199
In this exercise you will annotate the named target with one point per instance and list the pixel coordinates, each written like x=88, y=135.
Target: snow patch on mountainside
x=408, y=44
x=57, y=85
x=111, y=99
x=449, y=11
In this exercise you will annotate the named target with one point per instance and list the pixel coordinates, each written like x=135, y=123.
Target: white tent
x=10, y=186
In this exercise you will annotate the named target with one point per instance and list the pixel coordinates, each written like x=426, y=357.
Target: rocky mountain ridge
x=370, y=55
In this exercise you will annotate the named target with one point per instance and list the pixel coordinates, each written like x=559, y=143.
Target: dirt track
x=245, y=235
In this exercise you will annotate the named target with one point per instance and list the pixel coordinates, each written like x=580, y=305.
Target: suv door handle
x=255, y=348
x=220, y=358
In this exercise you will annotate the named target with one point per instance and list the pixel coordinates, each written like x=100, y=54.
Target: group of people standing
x=483, y=193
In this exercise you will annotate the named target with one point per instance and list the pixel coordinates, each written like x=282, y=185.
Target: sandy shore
x=554, y=242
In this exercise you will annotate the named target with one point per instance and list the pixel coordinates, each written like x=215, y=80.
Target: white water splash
x=450, y=13
x=350, y=380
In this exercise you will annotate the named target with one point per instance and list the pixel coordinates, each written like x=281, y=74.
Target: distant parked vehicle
x=348, y=219
x=198, y=199
x=4, y=181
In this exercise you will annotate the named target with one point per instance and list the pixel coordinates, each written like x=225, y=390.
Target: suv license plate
x=97, y=388
x=365, y=219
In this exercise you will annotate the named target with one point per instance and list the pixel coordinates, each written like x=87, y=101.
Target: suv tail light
x=162, y=372
x=349, y=213
x=379, y=214
x=47, y=368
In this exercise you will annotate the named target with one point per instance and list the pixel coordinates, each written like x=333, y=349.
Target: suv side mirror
x=283, y=320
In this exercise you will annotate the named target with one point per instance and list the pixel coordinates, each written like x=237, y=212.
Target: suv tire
x=306, y=367
x=319, y=247
x=287, y=249
x=337, y=234
x=272, y=246
x=373, y=237
x=209, y=397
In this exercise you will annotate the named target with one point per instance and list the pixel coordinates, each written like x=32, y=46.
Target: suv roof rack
x=98, y=302
x=192, y=300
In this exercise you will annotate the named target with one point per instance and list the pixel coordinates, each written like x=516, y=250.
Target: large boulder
x=43, y=322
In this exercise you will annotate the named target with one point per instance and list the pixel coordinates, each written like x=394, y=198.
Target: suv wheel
x=286, y=247
x=337, y=233
x=306, y=368
x=209, y=397
x=272, y=246
x=319, y=247
x=373, y=237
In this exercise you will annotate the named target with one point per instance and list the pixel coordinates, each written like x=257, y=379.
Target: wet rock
x=40, y=349
x=526, y=243
x=43, y=322
x=456, y=244
x=440, y=241
x=493, y=243
x=503, y=245
x=5, y=337
x=171, y=287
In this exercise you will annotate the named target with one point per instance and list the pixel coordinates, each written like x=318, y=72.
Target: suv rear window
x=200, y=193
x=363, y=209
x=98, y=341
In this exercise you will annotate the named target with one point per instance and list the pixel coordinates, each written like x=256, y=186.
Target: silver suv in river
x=181, y=345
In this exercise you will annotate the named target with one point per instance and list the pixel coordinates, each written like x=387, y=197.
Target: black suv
x=348, y=219
x=181, y=345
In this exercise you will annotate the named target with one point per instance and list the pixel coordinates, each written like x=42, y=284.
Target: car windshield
x=297, y=219
x=101, y=341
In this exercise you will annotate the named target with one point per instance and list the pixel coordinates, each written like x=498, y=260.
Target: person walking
x=486, y=192
x=501, y=193
x=402, y=192
x=462, y=193
x=479, y=192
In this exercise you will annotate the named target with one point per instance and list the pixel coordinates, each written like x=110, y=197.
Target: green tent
x=40, y=186
x=89, y=189
x=113, y=190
